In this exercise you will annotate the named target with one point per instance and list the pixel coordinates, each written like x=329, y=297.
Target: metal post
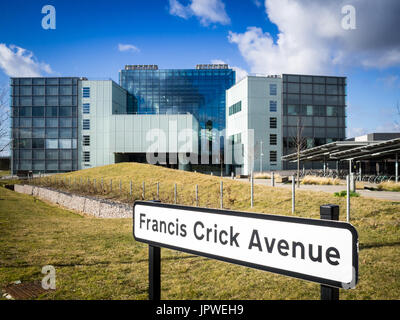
x=261, y=156
x=348, y=199
x=120, y=186
x=293, y=193
x=397, y=168
x=349, y=166
x=111, y=185
x=175, y=194
x=130, y=188
x=158, y=191
x=154, y=273
x=272, y=179
x=143, y=190
x=329, y=212
x=251, y=190
x=102, y=184
x=94, y=184
x=197, y=195
x=221, y=192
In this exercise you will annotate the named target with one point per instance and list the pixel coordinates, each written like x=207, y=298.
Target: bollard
x=293, y=193
x=329, y=212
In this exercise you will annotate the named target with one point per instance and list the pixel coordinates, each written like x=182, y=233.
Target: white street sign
x=322, y=251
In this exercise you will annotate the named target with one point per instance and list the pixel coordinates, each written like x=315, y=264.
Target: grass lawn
x=99, y=259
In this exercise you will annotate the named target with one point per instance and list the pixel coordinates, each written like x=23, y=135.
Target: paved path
x=383, y=195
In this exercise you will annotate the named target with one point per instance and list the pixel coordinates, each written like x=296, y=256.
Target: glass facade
x=200, y=92
x=318, y=103
x=44, y=124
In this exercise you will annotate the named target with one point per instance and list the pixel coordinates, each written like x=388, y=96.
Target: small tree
x=299, y=144
x=4, y=119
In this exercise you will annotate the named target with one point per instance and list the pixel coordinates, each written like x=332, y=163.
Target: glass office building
x=200, y=91
x=44, y=124
x=318, y=104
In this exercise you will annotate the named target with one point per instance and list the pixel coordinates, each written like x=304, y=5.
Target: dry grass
x=389, y=186
x=99, y=259
x=320, y=181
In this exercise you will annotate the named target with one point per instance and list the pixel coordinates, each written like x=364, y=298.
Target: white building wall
x=253, y=122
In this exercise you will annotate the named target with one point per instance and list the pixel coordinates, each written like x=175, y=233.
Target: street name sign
x=321, y=251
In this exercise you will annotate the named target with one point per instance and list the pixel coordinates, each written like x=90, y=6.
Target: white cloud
x=240, y=73
x=207, y=11
x=127, y=47
x=19, y=62
x=311, y=38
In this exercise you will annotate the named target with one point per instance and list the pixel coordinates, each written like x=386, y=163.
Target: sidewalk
x=382, y=195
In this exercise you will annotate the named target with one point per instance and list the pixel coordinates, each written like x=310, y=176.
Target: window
x=86, y=156
x=273, y=123
x=273, y=156
x=273, y=89
x=236, y=138
x=86, y=140
x=86, y=108
x=272, y=139
x=86, y=124
x=273, y=106
x=235, y=108
x=86, y=92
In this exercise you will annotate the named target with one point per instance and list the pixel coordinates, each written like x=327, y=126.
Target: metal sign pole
x=154, y=273
x=329, y=212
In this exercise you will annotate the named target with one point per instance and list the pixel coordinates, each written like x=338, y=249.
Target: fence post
x=130, y=188
x=221, y=191
x=348, y=199
x=175, y=194
x=102, y=184
x=120, y=185
x=143, y=190
x=111, y=185
x=272, y=179
x=197, y=195
x=158, y=191
x=329, y=212
x=251, y=189
x=293, y=193
x=94, y=184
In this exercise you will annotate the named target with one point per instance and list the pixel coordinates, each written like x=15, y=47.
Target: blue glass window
x=86, y=124
x=86, y=108
x=273, y=106
x=273, y=89
x=86, y=92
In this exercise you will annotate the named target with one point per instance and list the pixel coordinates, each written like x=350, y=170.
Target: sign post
x=317, y=250
x=329, y=212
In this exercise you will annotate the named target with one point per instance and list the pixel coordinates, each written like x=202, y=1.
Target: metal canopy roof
x=346, y=150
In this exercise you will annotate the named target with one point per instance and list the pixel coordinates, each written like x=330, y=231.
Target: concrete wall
x=96, y=207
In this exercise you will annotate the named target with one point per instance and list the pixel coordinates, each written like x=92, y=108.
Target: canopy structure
x=351, y=151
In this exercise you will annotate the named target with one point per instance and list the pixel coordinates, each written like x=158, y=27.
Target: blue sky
x=254, y=36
